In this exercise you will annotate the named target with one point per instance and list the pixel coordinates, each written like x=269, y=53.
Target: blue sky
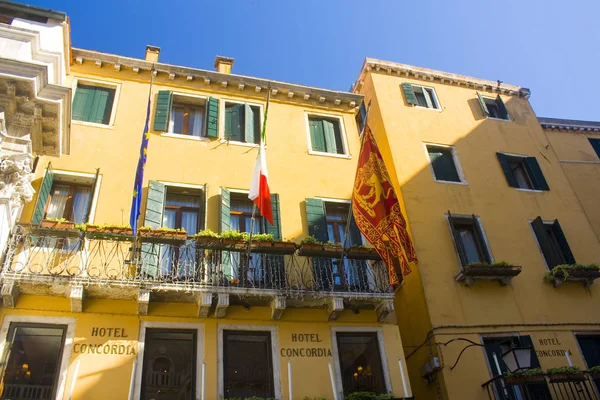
x=551, y=47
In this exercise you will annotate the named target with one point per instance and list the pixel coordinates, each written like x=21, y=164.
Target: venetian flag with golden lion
x=377, y=212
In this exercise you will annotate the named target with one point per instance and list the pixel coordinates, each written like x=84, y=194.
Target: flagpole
x=262, y=139
x=350, y=214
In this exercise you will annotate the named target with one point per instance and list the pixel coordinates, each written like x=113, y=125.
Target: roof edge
x=34, y=10
x=569, y=124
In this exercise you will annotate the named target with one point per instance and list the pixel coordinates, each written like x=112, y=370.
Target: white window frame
x=203, y=188
x=483, y=234
x=494, y=118
x=457, y=165
x=427, y=97
x=64, y=176
x=340, y=119
x=274, y=354
x=522, y=156
x=139, y=359
x=67, y=345
x=222, y=139
x=336, y=356
x=175, y=135
x=106, y=84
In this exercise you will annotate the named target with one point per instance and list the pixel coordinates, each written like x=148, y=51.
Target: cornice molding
x=572, y=125
x=408, y=71
x=216, y=80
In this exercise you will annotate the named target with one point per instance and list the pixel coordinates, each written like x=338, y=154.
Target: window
x=522, y=172
x=469, y=239
x=444, y=163
x=361, y=118
x=493, y=108
x=596, y=145
x=169, y=368
x=32, y=362
x=325, y=135
x=495, y=347
x=65, y=196
x=242, y=122
x=420, y=96
x=552, y=242
x=360, y=362
x=187, y=116
x=93, y=103
x=247, y=364
x=590, y=348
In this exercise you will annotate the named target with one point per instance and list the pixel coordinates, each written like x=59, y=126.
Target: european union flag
x=136, y=201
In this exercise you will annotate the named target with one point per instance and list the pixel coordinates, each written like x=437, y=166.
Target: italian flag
x=260, y=193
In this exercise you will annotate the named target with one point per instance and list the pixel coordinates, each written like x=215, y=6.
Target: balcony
x=557, y=387
x=68, y=262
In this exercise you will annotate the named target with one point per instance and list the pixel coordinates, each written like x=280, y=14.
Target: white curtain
x=196, y=122
x=58, y=202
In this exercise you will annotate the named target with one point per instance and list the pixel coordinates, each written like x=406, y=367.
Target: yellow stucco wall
x=431, y=298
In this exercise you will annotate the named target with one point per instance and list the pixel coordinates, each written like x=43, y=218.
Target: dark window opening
x=32, y=362
x=169, y=369
x=360, y=362
x=552, y=242
x=590, y=348
x=469, y=240
x=519, y=172
x=247, y=364
x=595, y=145
x=425, y=97
x=69, y=201
x=442, y=161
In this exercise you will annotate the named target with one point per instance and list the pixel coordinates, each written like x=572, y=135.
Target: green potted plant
x=235, y=239
x=178, y=234
x=55, y=223
x=109, y=229
x=565, y=374
x=595, y=371
x=531, y=375
x=262, y=241
x=363, y=253
x=560, y=274
x=500, y=271
x=207, y=238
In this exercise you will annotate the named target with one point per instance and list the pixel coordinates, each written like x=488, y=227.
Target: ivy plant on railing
x=524, y=373
x=563, y=272
x=368, y=396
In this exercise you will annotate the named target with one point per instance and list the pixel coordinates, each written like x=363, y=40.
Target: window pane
x=467, y=238
x=58, y=202
x=360, y=363
x=176, y=125
x=195, y=121
x=234, y=122
x=520, y=174
x=81, y=204
x=33, y=361
x=492, y=107
x=247, y=364
x=420, y=96
x=169, y=365
x=432, y=98
x=560, y=257
x=189, y=221
x=183, y=200
x=170, y=218
x=257, y=127
x=442, y=162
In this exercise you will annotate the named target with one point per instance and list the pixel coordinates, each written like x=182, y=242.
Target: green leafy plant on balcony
x=57, y=220
x=162, y=229
x=527, y=372
x=263, y=237
x=207, y=233
x=564, y=371
x=333, y=244
x=563, y=270
x=368, y=396
x=494, y=264
x=310, y=240
x=234, y=236
x=595, y=369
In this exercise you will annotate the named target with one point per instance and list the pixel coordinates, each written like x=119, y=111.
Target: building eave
x=569, y=125
x=23, y=10
x=409, y=71
x=214, y=80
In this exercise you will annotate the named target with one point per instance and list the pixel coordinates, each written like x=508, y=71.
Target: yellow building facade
x=494, y=204
x=91, y=312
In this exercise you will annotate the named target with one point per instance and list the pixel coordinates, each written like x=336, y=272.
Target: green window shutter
x=510, y=177
x=249, y=124
x=329, y=132
x=442, y=162
x=562, y=242
x=317, y=135
x=483, y=106
x=275, y=229
x=535, y=173
x=234, y=127
x=545, y=243
x=82, y=102
x=355, y=236
x=501, y=107
x=596, y=145
x=409, y=94
x=155, y=204
x=102, y=105
x=86, y=217
x=212, y=118
x=162, y=112
x=225, y=210
x=43, y=193
x=315, y=217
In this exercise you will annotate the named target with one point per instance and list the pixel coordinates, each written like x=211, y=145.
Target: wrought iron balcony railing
x=583, y=386
x=41, y=254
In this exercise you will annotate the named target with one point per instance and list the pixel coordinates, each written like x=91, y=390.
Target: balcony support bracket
x=385, y=312
x=76, y=298
x=204, y=304
x=10, y=293
x=334, y=308
x=277, y=307
x=222, y=305
x=143, y=301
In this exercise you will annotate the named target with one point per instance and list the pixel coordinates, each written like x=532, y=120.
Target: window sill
x=428, y=108
x=464, y=183
x=530, y=190
x=185, y=137
x=499, y=119
x=333, y=155
x=243, y=144
x=93, y=124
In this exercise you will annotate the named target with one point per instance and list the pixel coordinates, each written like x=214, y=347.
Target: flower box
x=208, y=242
x=52, y=224
x=274, y=247
x=500, y=272
x=584, y=275
x=234, y=244
x=162, y=236
x=56, y=228
x=319, y=250
x=361, y=253
x=112, y=230
x=524, y=379
x=566, y=377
